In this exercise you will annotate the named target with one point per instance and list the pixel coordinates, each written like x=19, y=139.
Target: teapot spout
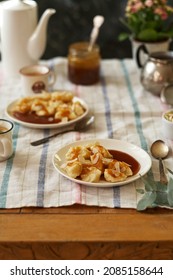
x=37, y=42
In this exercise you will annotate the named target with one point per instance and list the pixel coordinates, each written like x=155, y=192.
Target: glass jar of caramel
x=83, y=65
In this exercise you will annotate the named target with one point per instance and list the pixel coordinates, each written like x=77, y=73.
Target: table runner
x=123, y=110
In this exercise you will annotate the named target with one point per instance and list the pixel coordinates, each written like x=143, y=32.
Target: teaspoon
x=160, y=150
x=97, y=22
x=79, y=126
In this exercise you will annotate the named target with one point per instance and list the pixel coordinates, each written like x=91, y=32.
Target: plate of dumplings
x=102, y=162
x=55, y=109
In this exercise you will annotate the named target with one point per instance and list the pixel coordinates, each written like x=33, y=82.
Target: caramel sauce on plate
x=121, y=156
x=33, y=118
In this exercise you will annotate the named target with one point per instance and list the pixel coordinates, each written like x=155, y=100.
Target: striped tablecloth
x=122, y=109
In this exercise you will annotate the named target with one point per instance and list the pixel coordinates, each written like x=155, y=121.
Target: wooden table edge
x=90, y=227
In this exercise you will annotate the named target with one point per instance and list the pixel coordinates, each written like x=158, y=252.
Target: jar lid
x=81, y=49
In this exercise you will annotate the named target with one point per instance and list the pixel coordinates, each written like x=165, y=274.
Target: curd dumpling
x=96, y=161
x=78, y=109
x=90, y=174
x=74, y=152
x=113, y=176
x=100, y=149
x=64, y=96
x=120, y=166
x=73, y=169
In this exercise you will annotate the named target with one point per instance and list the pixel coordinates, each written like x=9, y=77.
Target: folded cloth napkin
x=122, y=110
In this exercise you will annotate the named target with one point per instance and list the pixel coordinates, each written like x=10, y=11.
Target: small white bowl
x=167, y=124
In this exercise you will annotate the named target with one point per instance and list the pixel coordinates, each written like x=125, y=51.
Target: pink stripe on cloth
x=78, y=193
x=78, y=197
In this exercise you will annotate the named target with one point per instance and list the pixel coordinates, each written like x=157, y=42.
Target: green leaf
x=161, y=199
x=149, y=183
x=160, y=187
x=156, y=193
x=123, y=36
x=147, y=35
x=161, y=194
x=141, y=191
x=146, y=201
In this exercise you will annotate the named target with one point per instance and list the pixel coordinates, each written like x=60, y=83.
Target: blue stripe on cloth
x=42, y=171
x=116, y=197
x=116, y=190
x=135, y=107
x=137, y=113
x=107, y=106
x=9, y=165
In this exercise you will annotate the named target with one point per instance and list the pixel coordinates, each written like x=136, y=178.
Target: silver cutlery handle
x=163, y=178
x=46, y=139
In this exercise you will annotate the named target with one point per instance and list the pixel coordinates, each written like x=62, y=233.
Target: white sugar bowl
x=167, y=124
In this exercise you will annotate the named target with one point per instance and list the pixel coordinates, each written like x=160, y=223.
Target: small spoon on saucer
x=79, y=126
x=97, y=22
x=160, y=150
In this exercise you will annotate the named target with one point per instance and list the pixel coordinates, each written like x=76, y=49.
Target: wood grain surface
x=81, y=232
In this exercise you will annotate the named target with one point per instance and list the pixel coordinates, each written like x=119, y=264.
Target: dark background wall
x=73, y=22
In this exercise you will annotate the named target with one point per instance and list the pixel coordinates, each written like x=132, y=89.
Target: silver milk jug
x=157, y=72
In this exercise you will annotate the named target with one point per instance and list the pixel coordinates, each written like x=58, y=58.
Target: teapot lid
x=162, y=57
x=19, y=5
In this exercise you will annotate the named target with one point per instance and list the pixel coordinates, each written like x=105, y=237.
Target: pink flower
x=140, y=15
x=161, y=12
x=148, y=3
x=134, y=6
x=138, y=6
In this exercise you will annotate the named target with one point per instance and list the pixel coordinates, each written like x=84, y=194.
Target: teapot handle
x=141, y=48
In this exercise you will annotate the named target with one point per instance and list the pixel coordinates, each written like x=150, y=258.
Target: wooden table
x=81, y=232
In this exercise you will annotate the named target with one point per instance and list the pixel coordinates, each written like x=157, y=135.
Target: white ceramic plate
x=134, y=151
x=9, y=113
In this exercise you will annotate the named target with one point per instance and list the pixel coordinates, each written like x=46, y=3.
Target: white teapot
x=22, y=41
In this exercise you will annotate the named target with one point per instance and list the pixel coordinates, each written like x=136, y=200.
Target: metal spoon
x=160, y=150
x=79, y=126
x=97, y=22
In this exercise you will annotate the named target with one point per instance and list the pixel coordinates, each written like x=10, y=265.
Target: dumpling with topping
x=113, y=176
x=73, y=169
x=96, y=161
x=74, y=152
x=96, y=148
x=120, y=166
x=90, y=174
